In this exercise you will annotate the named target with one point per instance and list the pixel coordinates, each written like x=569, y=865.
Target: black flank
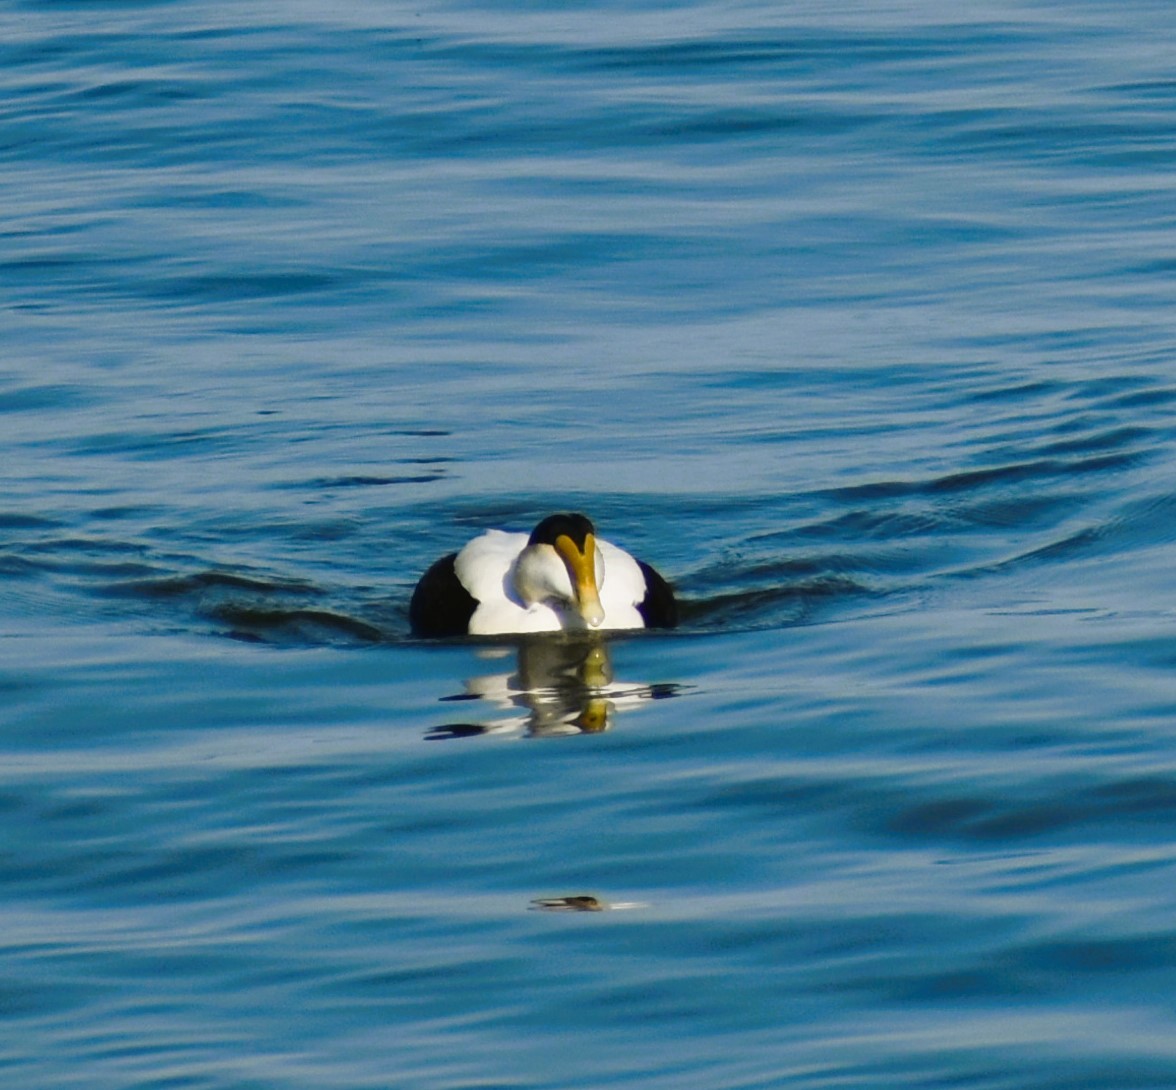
x=440, y=605
x=658, y=608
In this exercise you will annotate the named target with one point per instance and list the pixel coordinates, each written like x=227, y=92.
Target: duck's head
x=561, y=561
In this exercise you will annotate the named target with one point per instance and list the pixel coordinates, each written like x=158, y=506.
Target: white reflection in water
x=560, y=686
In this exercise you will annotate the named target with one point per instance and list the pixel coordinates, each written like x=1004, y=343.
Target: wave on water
x=781, y=561
x=255, y=609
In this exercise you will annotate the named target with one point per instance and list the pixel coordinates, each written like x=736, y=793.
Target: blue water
x=858, y=321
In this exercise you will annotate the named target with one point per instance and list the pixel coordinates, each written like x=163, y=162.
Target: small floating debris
x=580, y=902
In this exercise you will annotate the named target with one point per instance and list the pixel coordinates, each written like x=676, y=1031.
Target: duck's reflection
x=560, y=686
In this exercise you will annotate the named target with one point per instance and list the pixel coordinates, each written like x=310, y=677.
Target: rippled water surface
x=857, y=321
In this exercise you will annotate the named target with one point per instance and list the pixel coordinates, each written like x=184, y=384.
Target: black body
x=440, y=605
x=659, y=608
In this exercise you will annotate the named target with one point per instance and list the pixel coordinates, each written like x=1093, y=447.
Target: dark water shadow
x=254, y=608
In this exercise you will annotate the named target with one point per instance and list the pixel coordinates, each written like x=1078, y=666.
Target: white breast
x=485, y=568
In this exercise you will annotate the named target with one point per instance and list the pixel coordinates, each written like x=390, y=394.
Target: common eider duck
x=559, y=578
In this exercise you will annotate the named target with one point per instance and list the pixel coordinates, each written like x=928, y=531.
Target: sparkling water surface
x=857, y=323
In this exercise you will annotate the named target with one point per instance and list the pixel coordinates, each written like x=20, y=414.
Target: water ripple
x=857, y=324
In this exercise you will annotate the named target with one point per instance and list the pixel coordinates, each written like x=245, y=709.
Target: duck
x=560, y=577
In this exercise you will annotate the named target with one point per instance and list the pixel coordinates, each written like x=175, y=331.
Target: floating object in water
x=560, y=578
x=581, y=902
